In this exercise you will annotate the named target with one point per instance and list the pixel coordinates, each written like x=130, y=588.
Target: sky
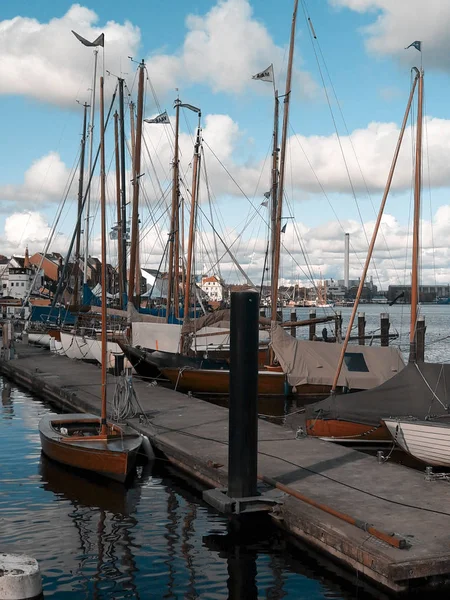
x=349, y=93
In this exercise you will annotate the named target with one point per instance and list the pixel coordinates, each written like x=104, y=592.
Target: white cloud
x=29, y=228
x=44, y=182
x=45, y=61
x=223, y=49
x=397, y=23
x=46, y=179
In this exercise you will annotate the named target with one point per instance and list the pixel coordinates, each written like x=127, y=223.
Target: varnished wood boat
x=214, y=381
x=82, y=440
x=75, y=440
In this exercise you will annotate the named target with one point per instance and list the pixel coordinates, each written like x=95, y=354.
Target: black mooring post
x=243, y=405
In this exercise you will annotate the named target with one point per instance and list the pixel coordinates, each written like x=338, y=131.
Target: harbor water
x=153, y=539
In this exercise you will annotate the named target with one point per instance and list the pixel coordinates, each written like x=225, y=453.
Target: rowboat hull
x=427, y=441
x=113, y=456
x=213, y=381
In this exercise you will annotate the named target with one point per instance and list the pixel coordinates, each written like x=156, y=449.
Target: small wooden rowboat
x=76, y=440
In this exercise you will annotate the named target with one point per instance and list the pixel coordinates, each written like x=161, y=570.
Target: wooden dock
x=193, y=435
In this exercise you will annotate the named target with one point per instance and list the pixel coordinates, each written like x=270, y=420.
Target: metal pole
x=123, y=220
x=243, y=404
x=80, y=202
x=118, y=206
x=91, y=146
x=416, y=225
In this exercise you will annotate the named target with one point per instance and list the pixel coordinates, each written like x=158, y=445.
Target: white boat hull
x=113, y=350
x=427, y=441
x=77, y=347
x=43, y=339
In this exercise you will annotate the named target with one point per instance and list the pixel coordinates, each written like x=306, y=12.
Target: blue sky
x=45, y=71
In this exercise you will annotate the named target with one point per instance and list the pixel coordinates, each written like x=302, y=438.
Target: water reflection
x=103, y=518
x=7, y=403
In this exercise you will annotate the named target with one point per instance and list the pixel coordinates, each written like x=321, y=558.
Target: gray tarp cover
x=412, y=392
x=316, y=362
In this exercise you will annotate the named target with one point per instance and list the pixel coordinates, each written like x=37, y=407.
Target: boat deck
x=194, y=435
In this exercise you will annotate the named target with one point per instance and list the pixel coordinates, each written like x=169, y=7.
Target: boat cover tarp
x=50, y=315
x=420, y=390
x=307, y=362
x=157, y=336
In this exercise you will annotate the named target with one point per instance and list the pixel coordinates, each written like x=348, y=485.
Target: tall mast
x=134, y=285
x=416, y=225
x=273, y=195
x=194, y=198
x=119, y=208
x=123, y=218
x=374, y=236
x=173, y=223
x=80, y=205
x=91, y=146
x=103, y=230
x=279, y=208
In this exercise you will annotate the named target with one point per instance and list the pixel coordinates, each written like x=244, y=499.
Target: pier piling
x=361, y=328
x=243, y=403
x=312, y=327
x=384, y=325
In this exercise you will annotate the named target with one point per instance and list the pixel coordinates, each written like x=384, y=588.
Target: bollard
x=312, y=326
x=338, y=326
x=384, y=325
x=243, y=402
x=20, y=577
x=361, y=328
x=420, y=338
x=293, y=319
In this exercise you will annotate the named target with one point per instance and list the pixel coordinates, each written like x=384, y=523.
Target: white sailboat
x=428, y=441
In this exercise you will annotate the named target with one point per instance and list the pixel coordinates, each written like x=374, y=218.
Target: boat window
x=355, y=361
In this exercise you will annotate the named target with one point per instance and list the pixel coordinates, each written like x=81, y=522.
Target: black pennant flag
x=100, y=41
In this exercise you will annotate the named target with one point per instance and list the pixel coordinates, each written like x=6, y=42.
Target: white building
x=213, y=288
x=18, y=277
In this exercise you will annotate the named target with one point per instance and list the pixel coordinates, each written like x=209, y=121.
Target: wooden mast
x=134, y=285
x=119, y=209
x=279, y=207
x=416, y=224
x=80, y=206
x=104, y=340
x=194, y=198
x=374, y=236
x=173, y=224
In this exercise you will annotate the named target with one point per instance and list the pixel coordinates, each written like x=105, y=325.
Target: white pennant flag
x=266, y=75
x=162, y=118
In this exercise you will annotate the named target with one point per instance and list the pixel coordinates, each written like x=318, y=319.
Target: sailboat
x=418, y=391
x=86, y=441
x=314, y=376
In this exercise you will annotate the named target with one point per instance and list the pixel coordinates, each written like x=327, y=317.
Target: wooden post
x=420, y=338
x=312, y=327
x=293, y=318
x=361, y=328
x=243, y=403
x=338, y=326
x=385, y=325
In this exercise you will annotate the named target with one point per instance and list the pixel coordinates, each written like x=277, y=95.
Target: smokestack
x=346, y=259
